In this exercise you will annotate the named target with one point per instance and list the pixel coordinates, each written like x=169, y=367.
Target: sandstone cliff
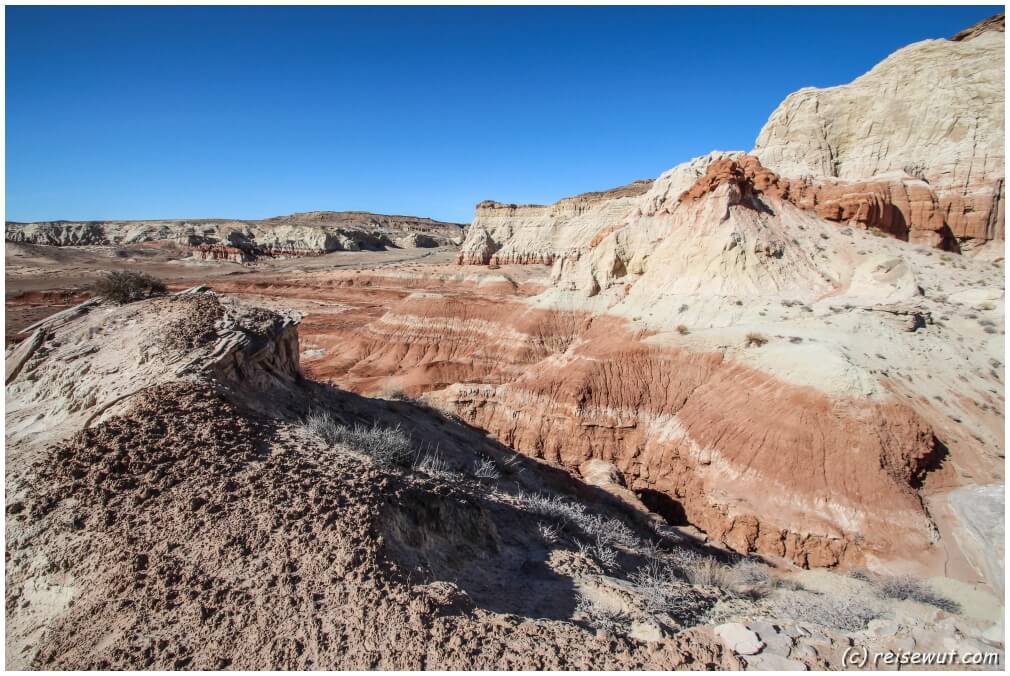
x=502, y=234
x=912, y=149
x=298, y=234
x=933, y=110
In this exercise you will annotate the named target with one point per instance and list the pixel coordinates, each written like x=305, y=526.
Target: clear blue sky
x=246, y=112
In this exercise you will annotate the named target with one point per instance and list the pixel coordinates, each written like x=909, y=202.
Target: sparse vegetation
x=433, y=464
x=746, y=579
x=755, y=340
x=575, y=518
x=847, y=613
x=599, y=551
x=906, y=587
x=384, y=445
x=484, y=468
x=683, y=330
x=683, y=308
x=550, y=532
x=126, y=287
x=663, y=592
x=601, y=617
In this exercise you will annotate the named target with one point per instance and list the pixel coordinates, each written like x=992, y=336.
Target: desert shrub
x=683, y=308
x=795, y=340
x=384, y=445
x=432, y=463
x=746, y=579
x=847, y=613
x=906, y=587
x=549, y=532
x=513, y=465
x=126, y=287
x=577, y=519
x=601, y=617
x=663, y=592
x=322, y=424
x=484, y=468
x=708, y=572
x=755, y=340
x=600, y=551
x=683, y=330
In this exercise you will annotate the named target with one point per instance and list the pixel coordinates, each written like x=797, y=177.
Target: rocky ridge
x=933, y=110
x=878, y=153
x=301, y=234
x=503, y=234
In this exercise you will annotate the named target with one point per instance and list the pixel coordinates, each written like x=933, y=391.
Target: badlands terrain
x=746, y=415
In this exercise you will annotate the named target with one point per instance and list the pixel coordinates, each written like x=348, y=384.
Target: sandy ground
x=41, y=280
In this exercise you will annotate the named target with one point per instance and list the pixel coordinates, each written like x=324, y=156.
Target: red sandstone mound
x=902, y=207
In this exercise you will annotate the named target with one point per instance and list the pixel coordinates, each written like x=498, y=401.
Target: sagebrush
x=126, y=287
x=906, y=587
x=848, y=613
x=384, y=445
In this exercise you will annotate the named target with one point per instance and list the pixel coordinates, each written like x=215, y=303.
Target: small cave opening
x=671, y=510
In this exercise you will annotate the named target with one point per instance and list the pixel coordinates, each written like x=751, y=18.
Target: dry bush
x=906, y=587
x=708, y=572
x=484, y=468
x=601, y=617
x=575, y=517
x=600, y=552
x=126, y=287
x=550, y=532
x=683, y=330
x=663, y=592
x=746, y=579
x=433, y=464
x=755, y=340
x=847, y=613
x=384, y=445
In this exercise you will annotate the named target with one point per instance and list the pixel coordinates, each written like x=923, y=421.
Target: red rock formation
x=903, y=208
x=755, y=462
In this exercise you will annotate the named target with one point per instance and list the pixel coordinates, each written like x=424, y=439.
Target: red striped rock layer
x=757, y=463
x=902, y=207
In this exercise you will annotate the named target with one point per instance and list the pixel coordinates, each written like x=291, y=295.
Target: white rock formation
x=934, y=110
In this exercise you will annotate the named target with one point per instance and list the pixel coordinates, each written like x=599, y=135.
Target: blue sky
x=249, y=112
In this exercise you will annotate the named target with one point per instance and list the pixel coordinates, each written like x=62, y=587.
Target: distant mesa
x=300, y=234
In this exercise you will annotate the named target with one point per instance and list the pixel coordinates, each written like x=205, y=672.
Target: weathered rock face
x=897, y=204
x=304, y=234
x=504, y=234
x=933, y=110
x=747, y=365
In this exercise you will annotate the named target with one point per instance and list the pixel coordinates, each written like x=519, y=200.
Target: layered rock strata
x=504, y=234
x=302, y=234
x=933, y=110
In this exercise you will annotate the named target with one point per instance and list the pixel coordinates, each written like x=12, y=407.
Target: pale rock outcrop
x=933, y=110
x=503, y=234
x=302, y=234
